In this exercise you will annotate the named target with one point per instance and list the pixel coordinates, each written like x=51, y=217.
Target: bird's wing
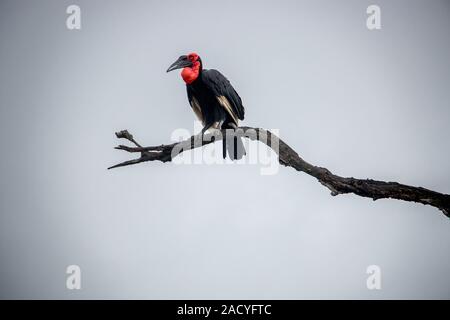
x=225, y=93
x=194, y=104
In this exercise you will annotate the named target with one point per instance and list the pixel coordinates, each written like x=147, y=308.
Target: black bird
x=213, y=100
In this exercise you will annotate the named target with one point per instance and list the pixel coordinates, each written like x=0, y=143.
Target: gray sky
x=361, y=103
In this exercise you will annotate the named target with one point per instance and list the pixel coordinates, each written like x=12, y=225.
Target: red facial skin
x=189, y=74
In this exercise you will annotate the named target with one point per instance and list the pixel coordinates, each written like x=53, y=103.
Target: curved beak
x=182, y=62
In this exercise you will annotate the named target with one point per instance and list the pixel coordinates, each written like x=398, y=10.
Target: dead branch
x=288, y=157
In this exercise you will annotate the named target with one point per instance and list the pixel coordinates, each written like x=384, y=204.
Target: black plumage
x=213, y=99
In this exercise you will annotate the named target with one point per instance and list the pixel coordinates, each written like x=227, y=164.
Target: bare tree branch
x=288, y=157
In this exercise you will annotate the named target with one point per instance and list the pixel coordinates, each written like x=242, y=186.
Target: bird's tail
x=235, y=148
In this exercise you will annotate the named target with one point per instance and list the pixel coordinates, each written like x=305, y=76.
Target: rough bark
x=288, y=157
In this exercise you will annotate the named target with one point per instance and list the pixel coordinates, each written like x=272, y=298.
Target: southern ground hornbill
x=213, y=100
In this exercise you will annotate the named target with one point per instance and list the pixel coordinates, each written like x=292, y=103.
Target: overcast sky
x=368, y=104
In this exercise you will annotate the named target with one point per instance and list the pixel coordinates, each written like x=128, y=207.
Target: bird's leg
x=205, y=128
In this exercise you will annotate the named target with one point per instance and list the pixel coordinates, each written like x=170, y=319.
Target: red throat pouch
x=190, y=74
